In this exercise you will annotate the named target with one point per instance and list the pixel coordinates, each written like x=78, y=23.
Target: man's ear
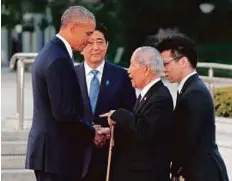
x=147, y=70
x=184, y=62
x=72, y=27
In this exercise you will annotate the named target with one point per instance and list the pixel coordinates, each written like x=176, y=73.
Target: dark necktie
x=177, y=97
x=138, y=101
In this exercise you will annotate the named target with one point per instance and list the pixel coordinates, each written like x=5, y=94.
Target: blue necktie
x=94, y=90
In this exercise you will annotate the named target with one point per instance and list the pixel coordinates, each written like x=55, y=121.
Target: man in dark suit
x=195, y=153
x=113, y=90
x=144, y=151
x=58, y=137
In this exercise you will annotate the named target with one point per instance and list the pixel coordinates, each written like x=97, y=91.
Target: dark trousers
x=44, y=176
x=98, y=165
x=95, y=173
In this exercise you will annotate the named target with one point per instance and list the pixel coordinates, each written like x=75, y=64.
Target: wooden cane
x=110, y=152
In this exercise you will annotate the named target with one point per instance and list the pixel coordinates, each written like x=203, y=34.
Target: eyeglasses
x=166, y=63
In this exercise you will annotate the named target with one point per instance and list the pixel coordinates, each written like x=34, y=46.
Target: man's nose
x=95, y=46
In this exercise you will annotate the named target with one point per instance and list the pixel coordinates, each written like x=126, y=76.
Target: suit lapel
x=148, y=95
x=187, y=83
x=83, y=87
x=106, y=84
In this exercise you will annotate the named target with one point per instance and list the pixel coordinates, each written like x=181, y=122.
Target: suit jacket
x=195, y=153
x=55, y=143
x=144, y=151
x=115, y=91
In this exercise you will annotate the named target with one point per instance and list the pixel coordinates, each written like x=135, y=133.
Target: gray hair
x=77, y=14
x=147, y=55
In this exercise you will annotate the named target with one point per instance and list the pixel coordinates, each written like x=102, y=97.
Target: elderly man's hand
x=108, y=115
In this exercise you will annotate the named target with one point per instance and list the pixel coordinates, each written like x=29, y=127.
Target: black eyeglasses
x=166, y=63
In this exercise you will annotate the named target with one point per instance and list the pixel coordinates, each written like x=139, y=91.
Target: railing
x=210, y=79
x=17, y=56
x=23, y=59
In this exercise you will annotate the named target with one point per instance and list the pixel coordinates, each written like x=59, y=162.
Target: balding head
x=149, y=56
x=76, y=14
x=146, y=65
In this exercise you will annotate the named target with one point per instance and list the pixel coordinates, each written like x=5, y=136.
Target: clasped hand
x=102, y=134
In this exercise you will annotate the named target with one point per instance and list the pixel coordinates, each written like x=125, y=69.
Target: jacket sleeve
x=148, y=125
x=65, y=96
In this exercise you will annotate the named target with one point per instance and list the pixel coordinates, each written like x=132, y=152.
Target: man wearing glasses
x=195, y=154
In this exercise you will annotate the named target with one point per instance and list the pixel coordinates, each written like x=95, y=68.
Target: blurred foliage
x=223, y=102
x=10, y=13
x=131, y=22
x=218, y=53
x=13, y=10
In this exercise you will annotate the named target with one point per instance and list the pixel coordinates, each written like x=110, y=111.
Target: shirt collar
x=67, y=45
x=180, y=86
x=148, y=86
x=88, y=69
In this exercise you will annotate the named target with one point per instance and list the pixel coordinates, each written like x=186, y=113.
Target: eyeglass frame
x=166, y=63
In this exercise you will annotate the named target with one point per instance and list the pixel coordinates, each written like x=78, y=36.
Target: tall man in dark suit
x=144, y=152
x=113, y=90
x=58, y=137
x=195, y=153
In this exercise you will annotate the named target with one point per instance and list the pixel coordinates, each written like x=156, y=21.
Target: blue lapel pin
x=107, y=82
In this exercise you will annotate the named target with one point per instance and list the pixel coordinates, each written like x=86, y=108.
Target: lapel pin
x=107, y=82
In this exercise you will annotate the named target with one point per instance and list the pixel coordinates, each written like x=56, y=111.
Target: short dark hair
x=180, y=46
x=102, y=28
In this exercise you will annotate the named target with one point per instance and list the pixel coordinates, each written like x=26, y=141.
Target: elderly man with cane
x=143, y=154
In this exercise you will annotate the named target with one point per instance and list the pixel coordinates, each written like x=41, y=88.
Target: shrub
x=223, y=101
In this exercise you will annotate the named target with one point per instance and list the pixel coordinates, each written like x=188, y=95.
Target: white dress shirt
x=67, y=45
x=180, y=86
x=147, y=87
x=89, y=75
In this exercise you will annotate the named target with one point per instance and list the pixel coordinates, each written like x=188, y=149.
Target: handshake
x=102, y=134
